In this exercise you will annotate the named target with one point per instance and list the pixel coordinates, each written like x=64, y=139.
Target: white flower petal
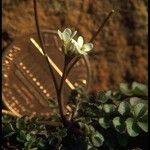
x=67, y=35
x=60, y=34
x=74, y=33
x=67, y=31
x=87, y=47
x=72, y=46
x=74, y=42
x=80, y=41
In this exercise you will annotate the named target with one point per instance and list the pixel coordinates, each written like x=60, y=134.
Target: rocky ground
x=120, y=51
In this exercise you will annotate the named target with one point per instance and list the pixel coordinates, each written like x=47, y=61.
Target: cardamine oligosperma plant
x=73, y=51
x=94, y=122
x=107, y=120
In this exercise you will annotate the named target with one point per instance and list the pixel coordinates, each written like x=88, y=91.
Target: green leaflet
x=139, y=110
x=102, y=96
x=124, y=108
x=88, y=129
x=139, y=89
x=124, y=88
x=119, y=124
x=97, y=139
x=104, y=123
x=143, y=122
x=109, y=108
x=136, y=100
x=132, y=128
x=143, y=126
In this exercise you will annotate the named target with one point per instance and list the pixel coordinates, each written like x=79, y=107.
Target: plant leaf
x=102, y=97
x=97, y=139
x=28, y=137
x=115, y=95
x=109, y=108
x=144, y=118
x=104, y=123
x=139, y=89
x=84, y=127
x=124, y=88
x=135, y=100
x=124, y=108
x=92, y=129
x=118, y=124
x=139, y=110
x=143, y=122
x=132, y=128
x=22, y=136
x=143, y=126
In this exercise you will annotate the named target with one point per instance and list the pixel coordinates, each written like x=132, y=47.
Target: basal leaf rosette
x=80, y=47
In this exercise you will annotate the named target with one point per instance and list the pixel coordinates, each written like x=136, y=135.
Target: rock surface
x=120, y=51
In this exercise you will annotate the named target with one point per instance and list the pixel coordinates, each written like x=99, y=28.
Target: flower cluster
x=74, y=46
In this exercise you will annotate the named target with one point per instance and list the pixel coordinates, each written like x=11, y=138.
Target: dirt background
x=120, y=51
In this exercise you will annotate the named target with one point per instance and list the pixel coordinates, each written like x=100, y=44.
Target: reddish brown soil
x=120, y=51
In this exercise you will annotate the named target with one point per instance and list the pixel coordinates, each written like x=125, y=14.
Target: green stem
x=71, y=66
x=60, y=93
x=67, y=61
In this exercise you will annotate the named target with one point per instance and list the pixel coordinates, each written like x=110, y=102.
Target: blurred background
x=120, y=50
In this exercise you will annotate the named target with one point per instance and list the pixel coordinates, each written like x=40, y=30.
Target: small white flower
x=73, y=46
x=66, y=35
x=80, y=47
